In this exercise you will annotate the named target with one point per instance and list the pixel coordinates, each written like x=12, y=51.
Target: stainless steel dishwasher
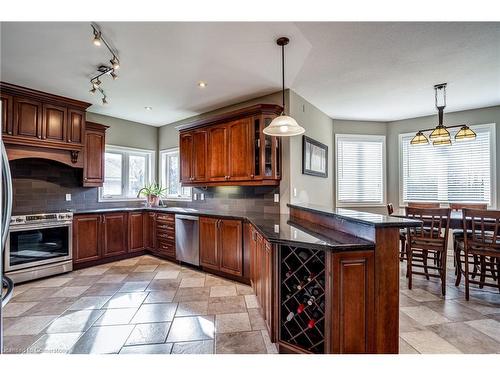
x=187, y=244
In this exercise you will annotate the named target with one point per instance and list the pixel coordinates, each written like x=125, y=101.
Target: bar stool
x=458, y=238
x=402, y=235
x=431, y=238
x=482, y=241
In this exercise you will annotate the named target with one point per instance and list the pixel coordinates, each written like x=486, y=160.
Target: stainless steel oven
x=39, y=246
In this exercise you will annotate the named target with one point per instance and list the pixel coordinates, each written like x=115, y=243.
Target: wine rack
x=302, y=298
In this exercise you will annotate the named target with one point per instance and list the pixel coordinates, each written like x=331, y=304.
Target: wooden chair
x=430, y=239
x=402, y=235
x=458, y=237
x=482, y=240
x=423, y=205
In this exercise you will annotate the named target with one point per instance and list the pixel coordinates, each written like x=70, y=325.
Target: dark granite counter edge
x=367, y=245
x=389, y=221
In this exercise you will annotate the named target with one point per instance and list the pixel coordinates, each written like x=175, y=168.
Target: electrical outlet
x=295, y=192
x=276, y=198
x=195, y=196
x=202, y=196
x=68, y=197
x=276, y=228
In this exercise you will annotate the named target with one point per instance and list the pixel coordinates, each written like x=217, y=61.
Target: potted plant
x=153, y=193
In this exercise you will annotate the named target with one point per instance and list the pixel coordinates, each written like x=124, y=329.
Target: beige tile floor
x=148, y=305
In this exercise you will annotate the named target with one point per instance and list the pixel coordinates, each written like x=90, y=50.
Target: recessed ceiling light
x=148, y=108
x=202, y=84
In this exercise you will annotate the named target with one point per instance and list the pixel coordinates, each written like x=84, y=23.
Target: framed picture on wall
x=314, y=157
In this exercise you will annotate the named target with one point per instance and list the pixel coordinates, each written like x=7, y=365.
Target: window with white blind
x=126, y=171
x=360, y=165
x=461, y=173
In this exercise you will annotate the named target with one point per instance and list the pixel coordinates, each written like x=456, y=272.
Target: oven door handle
x=61, y=224
x=9, y=285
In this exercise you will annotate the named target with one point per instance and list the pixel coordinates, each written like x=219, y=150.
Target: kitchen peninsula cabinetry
x=165, y=235
x=38, y=124
x=231, y=149
x=221, y=245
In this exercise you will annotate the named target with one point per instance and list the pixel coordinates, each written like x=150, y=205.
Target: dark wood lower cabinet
x=149, y=221
x=221, y=245
x=114, y=234
x=86, y=238
x=136, y=231
x=165, y=235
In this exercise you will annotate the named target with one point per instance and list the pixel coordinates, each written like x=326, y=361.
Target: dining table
x=456, y=218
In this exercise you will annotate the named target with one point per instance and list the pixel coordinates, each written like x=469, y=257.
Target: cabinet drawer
x=165, y=236
x=168, y=218
x=167, y=248
x=165, y=226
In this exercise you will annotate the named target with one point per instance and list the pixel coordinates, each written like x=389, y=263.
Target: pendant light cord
x=283, y=76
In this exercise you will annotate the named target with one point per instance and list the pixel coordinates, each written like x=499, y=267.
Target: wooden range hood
x=36, y=124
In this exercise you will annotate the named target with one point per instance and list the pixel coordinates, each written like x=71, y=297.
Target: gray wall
x=127, y=133
x=470, y=117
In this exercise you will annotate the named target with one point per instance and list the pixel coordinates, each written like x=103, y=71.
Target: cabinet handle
x=252, y=176
x=39, y=137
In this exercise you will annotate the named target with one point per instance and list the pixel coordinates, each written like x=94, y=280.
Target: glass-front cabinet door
x=271, y=153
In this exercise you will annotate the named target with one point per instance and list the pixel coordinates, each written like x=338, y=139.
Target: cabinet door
x=209, y=242
x=252, y=238
x=27, y=118
x=76, y=126
x=86, y=238
x=114, y=234
x=136, y=231
x=54, y=123
x=186, y=157
x=149, y=230
x=259, y=272
x=268, y=285
x=93, y=168
x=240, y=150
x=230, y=247
x=218, y=153
x=7, y=119
x=199, y=155
x=352, y=299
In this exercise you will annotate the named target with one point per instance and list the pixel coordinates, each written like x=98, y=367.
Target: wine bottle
x=288, y=273
x=315, y=291
x=290, y=316
x=315, y=316
x=304, y=255
x=311, y=276
x=301, y=308
x=311, y=300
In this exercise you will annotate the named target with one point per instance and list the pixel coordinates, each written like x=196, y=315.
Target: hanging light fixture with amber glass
x=440, y=135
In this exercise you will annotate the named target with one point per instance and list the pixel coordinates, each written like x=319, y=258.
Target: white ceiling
x=360, y=71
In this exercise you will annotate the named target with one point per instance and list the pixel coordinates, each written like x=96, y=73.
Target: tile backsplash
x=41, y=185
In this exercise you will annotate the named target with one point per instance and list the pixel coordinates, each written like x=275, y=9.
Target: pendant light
x=465, y=133
x=440, y=133
x=283, y=126
x=419, y=139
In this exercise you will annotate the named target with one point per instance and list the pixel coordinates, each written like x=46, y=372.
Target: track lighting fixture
x=103, y=69
x=440, y=135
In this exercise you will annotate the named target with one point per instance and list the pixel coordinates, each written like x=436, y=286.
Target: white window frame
x=151, y=157
x=161, y=169
x=361, y=137
x=493, y=187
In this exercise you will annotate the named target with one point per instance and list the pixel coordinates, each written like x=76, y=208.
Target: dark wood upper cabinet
x=76, y=126
x=54, y=124
x=86, y=238
x=186, y=157
x=208, y=228
x=27, y=118
x=93, y=166
x=231, y=149
x=218, y=153
x=7, y=119
x=136, y=231
x=240, y=151
x=230, y=247
x=114, y=234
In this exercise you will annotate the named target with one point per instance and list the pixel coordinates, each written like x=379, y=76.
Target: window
x=463, y=172
x=170, y=175
x=360, y=163
x=126, y=171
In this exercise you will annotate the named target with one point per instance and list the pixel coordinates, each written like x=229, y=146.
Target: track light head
x=113, y=75
x=97, y=38
x=96, y=83
x=104, y=101
x=93, y=90
x=115, y=63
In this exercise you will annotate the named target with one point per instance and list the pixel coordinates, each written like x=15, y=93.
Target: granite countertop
x=359, y=217
x=276, y=228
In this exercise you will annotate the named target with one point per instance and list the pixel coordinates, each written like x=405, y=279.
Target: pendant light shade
x=465, y=133
x=283, y=126
x=442, y=142
x=419, y=139
x=439, y=133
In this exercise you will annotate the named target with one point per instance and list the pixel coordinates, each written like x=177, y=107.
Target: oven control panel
x=41, y=218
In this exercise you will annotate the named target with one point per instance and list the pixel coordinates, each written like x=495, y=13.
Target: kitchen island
x=327, y=281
